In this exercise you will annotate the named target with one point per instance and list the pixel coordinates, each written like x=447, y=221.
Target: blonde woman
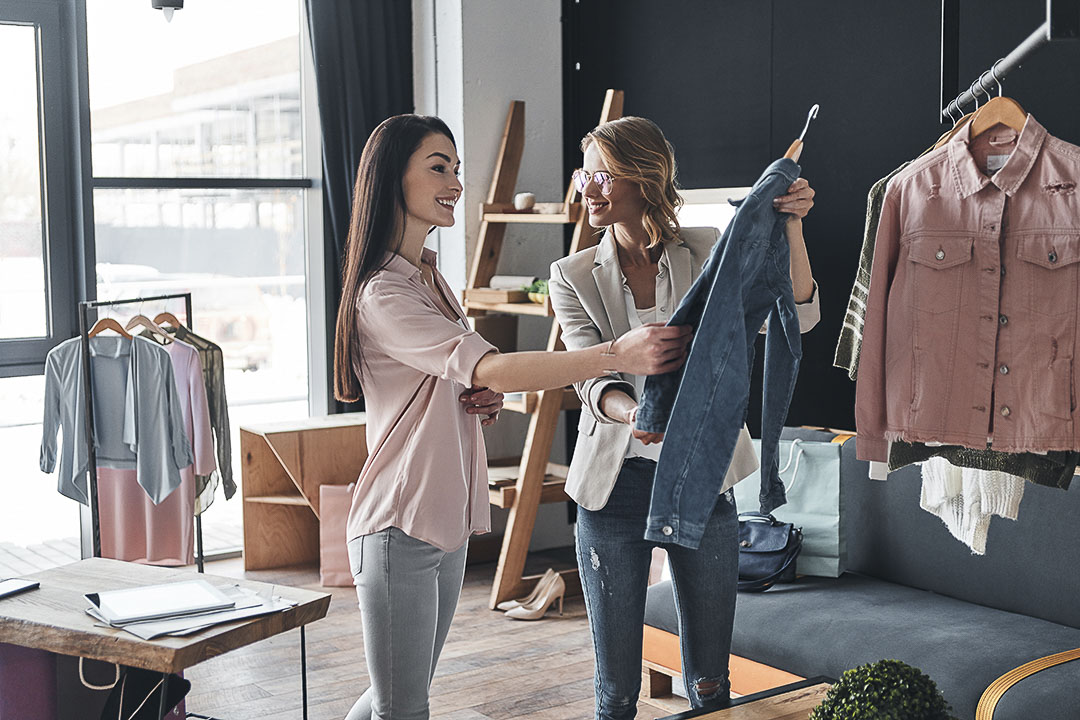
x=637, y=274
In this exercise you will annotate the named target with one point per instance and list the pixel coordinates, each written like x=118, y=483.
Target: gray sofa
x=914, y=593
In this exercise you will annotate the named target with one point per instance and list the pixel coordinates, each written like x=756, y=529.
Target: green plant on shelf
x=537, y=291
x=885, y=690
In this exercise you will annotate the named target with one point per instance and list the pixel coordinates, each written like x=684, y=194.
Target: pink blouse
x=426, y=473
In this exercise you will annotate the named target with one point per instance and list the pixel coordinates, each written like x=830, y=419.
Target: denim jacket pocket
x=938, y=271
x=1050, y=271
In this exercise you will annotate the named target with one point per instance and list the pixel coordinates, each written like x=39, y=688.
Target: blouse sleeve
x=203, y=440
x=396, y=321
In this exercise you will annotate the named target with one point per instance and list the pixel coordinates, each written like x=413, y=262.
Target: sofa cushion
x=824, y=626
x=1030, y=566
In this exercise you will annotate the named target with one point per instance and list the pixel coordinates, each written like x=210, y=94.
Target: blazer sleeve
x=579, y=332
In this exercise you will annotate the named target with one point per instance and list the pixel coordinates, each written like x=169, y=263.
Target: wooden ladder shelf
x=537, y=480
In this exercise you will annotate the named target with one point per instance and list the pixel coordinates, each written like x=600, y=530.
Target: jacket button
x=667, y=530
x=1004, y=369
x=1004, y=320
x=940, y=255
x=1005, y=410
x=1052, y=257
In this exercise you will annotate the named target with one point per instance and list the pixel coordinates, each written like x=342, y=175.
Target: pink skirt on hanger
x=133, y=528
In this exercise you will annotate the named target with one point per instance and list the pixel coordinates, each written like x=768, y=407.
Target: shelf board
x=522, y=308
x=549, y=213
x=527, y=405
x=503, y=495
x=278, y=500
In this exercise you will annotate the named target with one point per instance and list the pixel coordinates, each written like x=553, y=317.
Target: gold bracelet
x=610, y=351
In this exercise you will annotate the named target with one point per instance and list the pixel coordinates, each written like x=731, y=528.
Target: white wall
x=471, y=58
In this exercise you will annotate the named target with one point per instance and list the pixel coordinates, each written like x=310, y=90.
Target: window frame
x=61, y=177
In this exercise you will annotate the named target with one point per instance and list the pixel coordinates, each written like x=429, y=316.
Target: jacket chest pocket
x=938, y=265
x=1049, y=267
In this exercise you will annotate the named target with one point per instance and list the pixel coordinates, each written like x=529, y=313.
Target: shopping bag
x=810, y=469
x=334, y=503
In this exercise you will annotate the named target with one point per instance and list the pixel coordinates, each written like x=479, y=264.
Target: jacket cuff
x=871, y=448
x=596, y=390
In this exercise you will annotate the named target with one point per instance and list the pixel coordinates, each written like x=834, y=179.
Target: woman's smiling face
x=430, y=185
x=623, y=203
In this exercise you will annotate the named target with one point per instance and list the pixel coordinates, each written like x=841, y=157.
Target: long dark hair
x=376, y=226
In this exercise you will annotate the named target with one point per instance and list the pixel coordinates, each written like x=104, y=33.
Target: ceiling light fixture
x=167, y=7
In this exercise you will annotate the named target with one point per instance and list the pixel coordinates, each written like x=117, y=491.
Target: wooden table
x=53, y=618
x=787, y=702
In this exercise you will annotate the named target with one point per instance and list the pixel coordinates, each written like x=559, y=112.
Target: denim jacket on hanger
x=702, y=406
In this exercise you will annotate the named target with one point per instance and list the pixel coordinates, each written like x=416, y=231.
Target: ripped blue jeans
x=614, y=562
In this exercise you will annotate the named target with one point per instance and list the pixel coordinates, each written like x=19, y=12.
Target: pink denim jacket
x=971, y=323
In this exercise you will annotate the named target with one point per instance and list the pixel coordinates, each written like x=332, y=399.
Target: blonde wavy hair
x=635, y=149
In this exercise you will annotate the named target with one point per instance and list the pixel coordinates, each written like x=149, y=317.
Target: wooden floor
x=491, y=667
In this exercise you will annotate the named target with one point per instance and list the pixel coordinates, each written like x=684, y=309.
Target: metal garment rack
x=1062, y=23
x=84, y=330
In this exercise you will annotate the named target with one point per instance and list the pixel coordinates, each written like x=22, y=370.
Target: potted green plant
x=538, y=291
x=885, y=690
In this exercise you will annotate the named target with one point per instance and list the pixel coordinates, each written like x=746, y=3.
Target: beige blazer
x=586, y=291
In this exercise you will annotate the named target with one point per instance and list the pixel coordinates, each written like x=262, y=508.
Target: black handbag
x=767, y=551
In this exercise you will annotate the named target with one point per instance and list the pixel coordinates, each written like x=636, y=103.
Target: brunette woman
x=429, y=382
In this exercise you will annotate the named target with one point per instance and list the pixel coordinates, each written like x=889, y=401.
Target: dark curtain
x=363, y=74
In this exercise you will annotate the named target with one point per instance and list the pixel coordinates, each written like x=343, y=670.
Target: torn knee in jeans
x=710, y=688
x=615, y=705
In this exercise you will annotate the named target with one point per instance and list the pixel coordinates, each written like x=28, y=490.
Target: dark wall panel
x=701, y=75
x=730, y=84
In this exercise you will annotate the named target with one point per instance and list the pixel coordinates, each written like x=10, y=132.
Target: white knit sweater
x=965, y=499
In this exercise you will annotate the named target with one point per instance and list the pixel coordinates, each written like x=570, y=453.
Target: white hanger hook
x=809, y=116
x=993, y=72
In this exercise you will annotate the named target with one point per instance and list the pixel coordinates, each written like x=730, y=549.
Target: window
x=36, y=233
x=202, y=185
x=203, y=135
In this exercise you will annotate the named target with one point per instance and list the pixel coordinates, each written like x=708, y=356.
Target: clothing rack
x=1062, y=23
x=84, y=333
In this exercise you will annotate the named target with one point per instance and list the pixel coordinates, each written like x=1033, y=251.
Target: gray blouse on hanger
x=137, y=417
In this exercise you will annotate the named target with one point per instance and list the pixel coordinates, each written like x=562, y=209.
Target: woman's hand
x=482, y=401
x=652, y=349
x=798, y=201
x=647, y=438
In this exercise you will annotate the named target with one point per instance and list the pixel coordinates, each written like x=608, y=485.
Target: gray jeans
x=408, y=591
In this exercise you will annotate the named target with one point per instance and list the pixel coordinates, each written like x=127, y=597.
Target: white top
x=638, y=317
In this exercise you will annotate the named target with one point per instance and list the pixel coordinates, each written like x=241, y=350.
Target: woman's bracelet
x=609, y=352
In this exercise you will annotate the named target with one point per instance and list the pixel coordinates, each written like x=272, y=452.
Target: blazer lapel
x=609, y=283
x=682, y=275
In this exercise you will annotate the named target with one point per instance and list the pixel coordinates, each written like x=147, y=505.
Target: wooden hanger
x=1000, y=109
x=948, y=134
x=143, y=321
x=167, y=317
x=108, y=323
